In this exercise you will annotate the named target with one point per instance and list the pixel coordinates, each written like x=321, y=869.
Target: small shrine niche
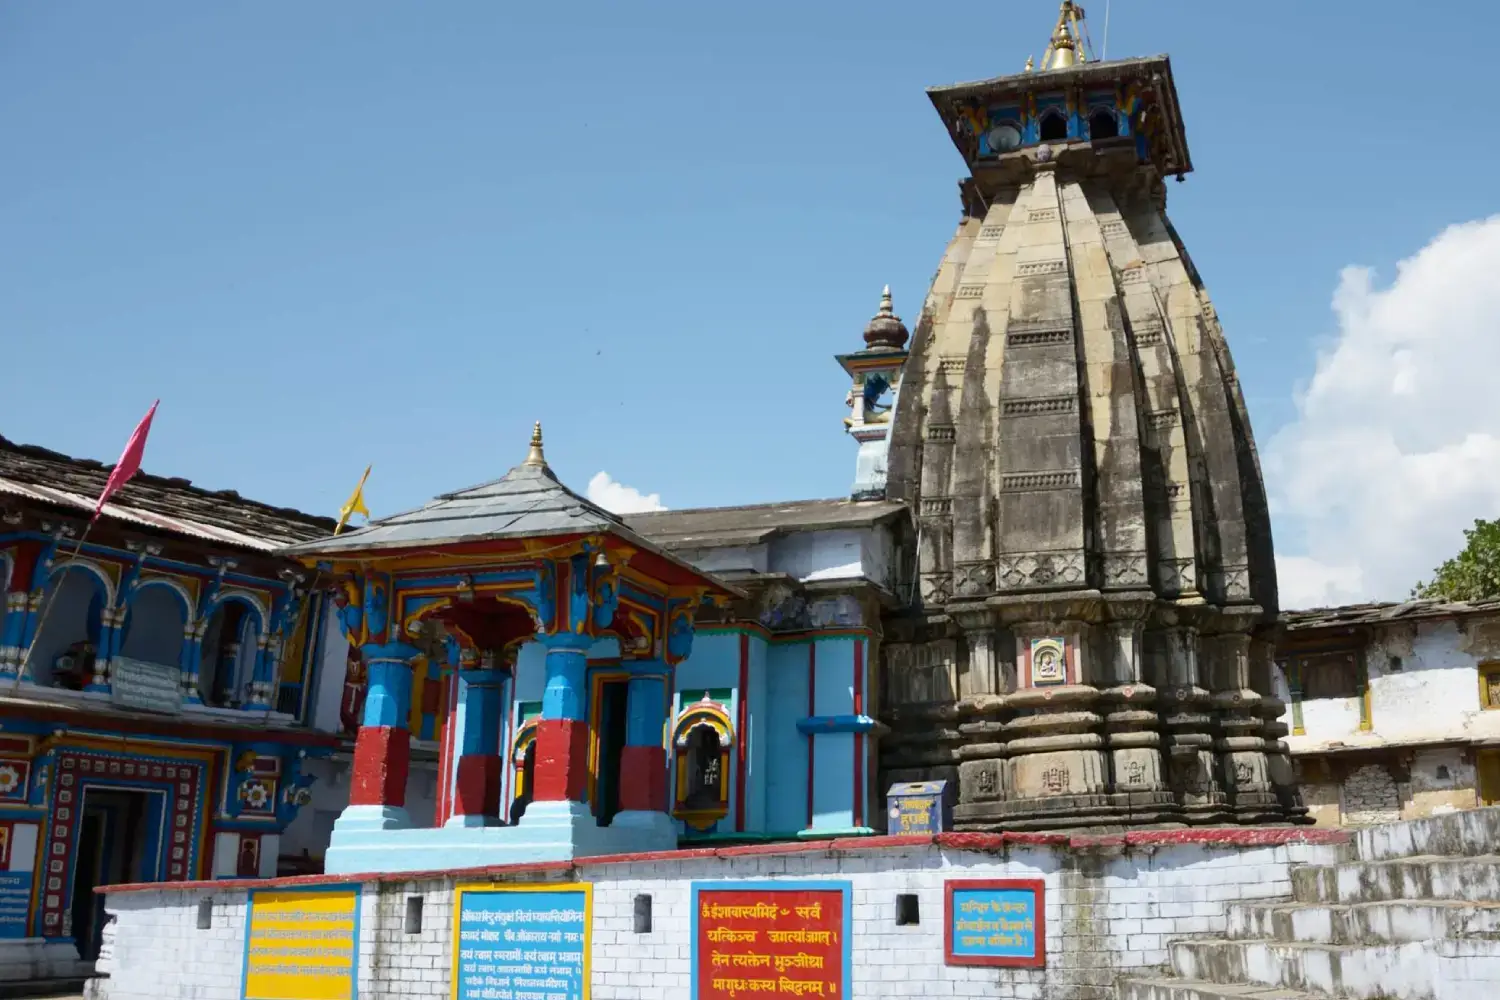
x=701, y=743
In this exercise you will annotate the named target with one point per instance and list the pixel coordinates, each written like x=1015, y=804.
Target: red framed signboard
x=783, y=938
x=995, y=922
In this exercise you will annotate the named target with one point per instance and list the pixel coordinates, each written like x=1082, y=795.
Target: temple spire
x=534, y=457
x=1069, y=44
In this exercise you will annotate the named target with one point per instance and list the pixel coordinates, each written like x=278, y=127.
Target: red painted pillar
x=562, y=733
x=382, y=750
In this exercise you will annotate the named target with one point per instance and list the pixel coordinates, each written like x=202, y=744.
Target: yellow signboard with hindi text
x=303, y=944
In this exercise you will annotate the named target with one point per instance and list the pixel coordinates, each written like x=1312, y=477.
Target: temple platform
x=379, y=838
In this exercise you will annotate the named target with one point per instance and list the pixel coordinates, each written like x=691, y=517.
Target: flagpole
x=47, y=604
x=124, y=470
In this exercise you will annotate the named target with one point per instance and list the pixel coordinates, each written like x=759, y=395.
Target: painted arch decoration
x=702, y=738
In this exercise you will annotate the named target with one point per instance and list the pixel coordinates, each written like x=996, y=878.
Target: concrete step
x=1138, y=988
x=1394, y=922
x=1427, y=970
x=1468, y=879
x=1467, y=833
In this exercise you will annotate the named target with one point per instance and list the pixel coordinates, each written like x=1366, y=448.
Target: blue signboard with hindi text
x=997, y=922
x=522, y=942
x=15, y=904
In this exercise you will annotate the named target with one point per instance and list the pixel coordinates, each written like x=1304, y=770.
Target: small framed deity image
x=995, y=922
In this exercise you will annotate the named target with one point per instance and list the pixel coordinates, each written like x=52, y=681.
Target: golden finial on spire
x=535, y=457
x=1069, y=44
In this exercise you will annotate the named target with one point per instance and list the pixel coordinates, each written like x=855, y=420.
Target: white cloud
x=619, y=498
x=1396, y=446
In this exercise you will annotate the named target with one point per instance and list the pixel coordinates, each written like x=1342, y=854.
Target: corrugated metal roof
x=164, y=504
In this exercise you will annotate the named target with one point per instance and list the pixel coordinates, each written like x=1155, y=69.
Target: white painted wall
x=1117, y=918
x=330, y=674
x=1432, y=696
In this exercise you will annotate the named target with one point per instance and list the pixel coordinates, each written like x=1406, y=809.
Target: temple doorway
x=612, y=716
x=112, y=847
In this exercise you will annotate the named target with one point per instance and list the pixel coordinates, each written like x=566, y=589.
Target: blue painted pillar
x=382, y=751
x=643, y=762
x=477, y=740
x=562, y=733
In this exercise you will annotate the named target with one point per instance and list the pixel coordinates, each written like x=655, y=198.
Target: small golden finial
x=1069, y=44
x=535, y=457
x=1030, y=63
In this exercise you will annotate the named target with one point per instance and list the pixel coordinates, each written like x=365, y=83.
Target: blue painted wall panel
x=833, y=782
x=760, y=751
x=785, y=773
x=835, y=677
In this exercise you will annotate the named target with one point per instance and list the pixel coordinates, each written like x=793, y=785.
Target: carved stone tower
x=1092, y=638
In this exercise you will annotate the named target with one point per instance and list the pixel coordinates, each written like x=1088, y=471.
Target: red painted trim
x=1224, y=838
x=742, y=735
x=812, y=703
x=1036, y=960
x=507, y=746
x=859, y=738
x=445, y=753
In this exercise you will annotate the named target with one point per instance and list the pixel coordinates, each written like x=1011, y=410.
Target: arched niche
x=1104, y=123
x=701, y=742
x=228, y=653
x=154, y=624
x=1052, y=126
x=523, y=760
x=63, y=652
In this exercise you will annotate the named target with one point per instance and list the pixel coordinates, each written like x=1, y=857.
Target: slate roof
x=716, y=527
x=170, y=505
x=527, y=501
x=1384, y=613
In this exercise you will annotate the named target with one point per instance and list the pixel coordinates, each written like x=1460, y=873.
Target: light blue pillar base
x=461, y=821
x=549, y=831
x=651, y=827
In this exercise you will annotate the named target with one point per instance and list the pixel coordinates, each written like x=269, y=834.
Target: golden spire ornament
x=534, y=457
x=1069, y=45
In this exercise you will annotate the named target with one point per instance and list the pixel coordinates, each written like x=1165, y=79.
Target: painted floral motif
x=10, y=778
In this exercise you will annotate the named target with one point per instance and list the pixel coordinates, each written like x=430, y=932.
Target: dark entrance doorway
x=111, y=848
x=612, y=714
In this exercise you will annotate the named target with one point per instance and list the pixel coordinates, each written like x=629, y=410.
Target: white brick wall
x=1108, y=909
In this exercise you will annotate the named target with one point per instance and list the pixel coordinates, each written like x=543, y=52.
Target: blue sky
x=339, y=233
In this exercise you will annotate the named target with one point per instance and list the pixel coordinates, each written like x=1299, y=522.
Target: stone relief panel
x=1067, y=772
x=1137, y=769
x=981, y=781
x=1049, y=661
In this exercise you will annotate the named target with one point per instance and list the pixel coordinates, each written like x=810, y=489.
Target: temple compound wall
x=993, y=915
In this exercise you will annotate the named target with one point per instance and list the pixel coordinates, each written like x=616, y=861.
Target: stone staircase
x=1415, y=915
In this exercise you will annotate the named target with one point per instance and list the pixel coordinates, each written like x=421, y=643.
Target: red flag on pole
x=129, y=463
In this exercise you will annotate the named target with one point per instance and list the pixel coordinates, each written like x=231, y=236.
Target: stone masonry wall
x=1370, y=796
x=1111, y=905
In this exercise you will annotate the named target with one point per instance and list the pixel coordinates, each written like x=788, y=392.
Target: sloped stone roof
x=167, y=504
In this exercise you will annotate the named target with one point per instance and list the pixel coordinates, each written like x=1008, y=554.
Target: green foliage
x=1473, y=574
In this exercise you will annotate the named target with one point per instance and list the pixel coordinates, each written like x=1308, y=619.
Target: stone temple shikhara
x=1091, y=637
